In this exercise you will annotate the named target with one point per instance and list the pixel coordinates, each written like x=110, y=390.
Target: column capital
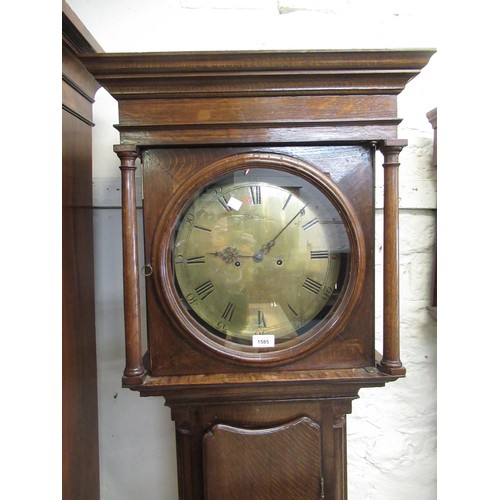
x=393, y=143
x=391, y=149
x=127, y=153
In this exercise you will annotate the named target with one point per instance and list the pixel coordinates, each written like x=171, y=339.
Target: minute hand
x=266, y=247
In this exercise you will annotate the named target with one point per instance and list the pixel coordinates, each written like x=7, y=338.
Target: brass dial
x=257, y=258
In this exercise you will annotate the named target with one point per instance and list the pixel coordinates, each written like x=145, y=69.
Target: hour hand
x=230, y=255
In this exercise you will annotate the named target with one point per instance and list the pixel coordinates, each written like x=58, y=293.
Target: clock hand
x=264, y=249
x=230, y=254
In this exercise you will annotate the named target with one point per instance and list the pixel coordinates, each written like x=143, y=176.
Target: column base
x=135, y=379
x=391, y=368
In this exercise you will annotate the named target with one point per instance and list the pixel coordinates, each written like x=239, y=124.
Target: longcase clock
x=258, y=186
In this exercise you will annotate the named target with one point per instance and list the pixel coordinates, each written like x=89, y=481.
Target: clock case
x=179, y=112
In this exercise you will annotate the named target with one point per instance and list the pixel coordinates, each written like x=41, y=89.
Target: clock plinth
x=258, y=169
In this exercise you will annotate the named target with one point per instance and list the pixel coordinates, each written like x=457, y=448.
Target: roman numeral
x=255, y=192
x=319, y=254
x=196, y=260
x=223, y=202
x=205, y=289
x=228, y=312
x=292, y=309
x=261, y=321
x=311, y=285
x=203, y=229
x=309, y=224
x=287, y=201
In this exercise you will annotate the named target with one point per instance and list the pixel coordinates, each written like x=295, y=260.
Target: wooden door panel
x=269, y=463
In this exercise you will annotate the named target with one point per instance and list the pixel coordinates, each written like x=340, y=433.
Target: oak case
x=328, y=111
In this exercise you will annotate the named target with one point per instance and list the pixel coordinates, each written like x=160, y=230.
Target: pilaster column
x=391, y=362
x=134, y=373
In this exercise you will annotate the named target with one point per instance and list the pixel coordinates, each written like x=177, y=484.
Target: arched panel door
x=269, y=463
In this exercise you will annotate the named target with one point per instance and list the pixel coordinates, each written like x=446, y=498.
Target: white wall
x=392, y=430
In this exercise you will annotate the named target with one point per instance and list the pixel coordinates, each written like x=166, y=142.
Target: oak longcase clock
x=258, y=186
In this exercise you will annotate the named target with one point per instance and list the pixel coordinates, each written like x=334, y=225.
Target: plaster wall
x=392, y=430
